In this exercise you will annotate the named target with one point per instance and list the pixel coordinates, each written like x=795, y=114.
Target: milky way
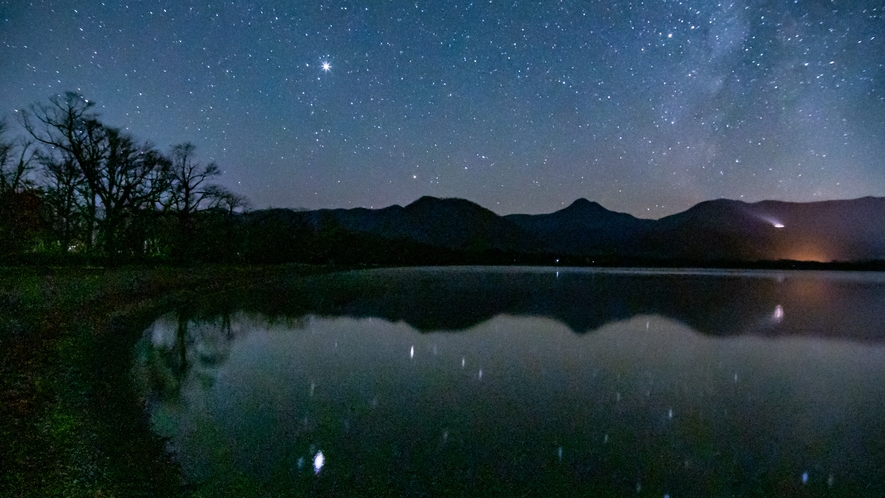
x=645, y=107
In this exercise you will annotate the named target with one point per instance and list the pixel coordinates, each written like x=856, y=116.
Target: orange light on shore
x=808, y=253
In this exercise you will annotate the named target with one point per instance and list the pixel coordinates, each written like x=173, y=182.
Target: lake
x=528, y=381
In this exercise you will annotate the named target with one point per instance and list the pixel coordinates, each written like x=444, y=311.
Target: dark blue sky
x=645, y=107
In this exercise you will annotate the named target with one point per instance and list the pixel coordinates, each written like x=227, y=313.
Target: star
x=435, y=92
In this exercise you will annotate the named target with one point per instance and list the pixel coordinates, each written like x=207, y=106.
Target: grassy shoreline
x=70, y=420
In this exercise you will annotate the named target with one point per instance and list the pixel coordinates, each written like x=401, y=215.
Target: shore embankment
x=71, y=421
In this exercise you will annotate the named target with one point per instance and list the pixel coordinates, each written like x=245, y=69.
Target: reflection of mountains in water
x=720, y=304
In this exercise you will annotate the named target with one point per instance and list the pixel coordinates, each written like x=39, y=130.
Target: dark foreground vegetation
x=71, y=421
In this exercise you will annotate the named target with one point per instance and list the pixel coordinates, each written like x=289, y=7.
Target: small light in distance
x=318, y=461
x=771, y=220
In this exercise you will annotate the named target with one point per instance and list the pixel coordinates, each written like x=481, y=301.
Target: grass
x=71, y=421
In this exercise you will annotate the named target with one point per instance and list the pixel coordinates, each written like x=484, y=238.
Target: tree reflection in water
x=184, y=342
x=724, y=383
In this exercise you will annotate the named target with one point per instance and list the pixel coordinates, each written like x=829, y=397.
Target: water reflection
x=329, y=403
x=842, y=305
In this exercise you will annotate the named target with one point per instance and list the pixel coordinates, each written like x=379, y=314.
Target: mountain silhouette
x=455, y=224
x=849, y=230
x=583, y=228
x=433, y=230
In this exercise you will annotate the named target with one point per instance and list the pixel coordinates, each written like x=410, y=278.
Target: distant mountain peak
x=590, y=212
x=429, y=199
x=430, y=202
x=425, y=199
x=582, y=204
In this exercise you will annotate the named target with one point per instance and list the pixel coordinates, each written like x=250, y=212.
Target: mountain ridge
x=713, y=230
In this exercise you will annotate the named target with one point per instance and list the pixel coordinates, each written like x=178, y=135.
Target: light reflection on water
x=518, y=403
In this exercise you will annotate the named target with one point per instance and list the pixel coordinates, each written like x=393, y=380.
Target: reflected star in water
x=257, y=413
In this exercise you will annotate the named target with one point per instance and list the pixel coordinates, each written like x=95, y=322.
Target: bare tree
x=71, y=135
x=16, y=162
x=188, y=193
x=189, y=177
x=21, y=206
x=112, y=192
x=222, y=198
x=63, y=182
x=129, y=181
x=120, y=176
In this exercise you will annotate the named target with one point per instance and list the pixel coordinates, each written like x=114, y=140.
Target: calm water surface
x=481, y=381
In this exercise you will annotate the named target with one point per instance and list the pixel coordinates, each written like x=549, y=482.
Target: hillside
x=432, y=230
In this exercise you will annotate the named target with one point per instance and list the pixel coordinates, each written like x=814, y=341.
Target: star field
x=644, y=107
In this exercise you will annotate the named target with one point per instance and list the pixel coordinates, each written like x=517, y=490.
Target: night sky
x=644, y=107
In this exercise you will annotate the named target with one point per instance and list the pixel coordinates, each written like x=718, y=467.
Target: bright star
x=326, y=66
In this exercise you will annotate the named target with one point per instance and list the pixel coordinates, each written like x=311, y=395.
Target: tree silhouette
x=131, y=178
x=225, y=200
x=189, y=191
x=63, y=185
x=72, y=137
x=102, y=192
x=108, y=173
x=16, y=162
x=21, y=208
